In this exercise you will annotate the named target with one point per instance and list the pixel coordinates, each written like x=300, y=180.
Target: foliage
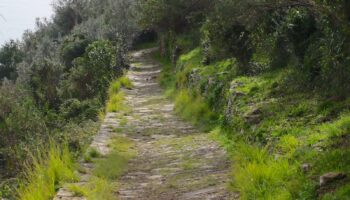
x=171, y=15
x=61, y=73
x=21, y=125
x=92, y=73
x=73, y=48
x=67, y=14
x=10, y=56
x=44, y=79
x=269, y=128
x=49, y=170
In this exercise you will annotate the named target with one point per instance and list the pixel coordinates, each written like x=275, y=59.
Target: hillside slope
x=284, y=143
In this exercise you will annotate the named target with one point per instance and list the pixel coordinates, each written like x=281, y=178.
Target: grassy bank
x=270, y=125
x=54, y=165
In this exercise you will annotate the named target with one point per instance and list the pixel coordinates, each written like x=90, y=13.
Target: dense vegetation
x=54, y=86
x=268, y=78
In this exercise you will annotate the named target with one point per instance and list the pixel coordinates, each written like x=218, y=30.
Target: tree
x=67, y=14
x=10, y=56
x=91, y=74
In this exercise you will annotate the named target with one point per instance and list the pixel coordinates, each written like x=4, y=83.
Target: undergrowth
x=47, y=173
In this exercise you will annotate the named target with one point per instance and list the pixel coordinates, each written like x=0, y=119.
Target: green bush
x=44, y=81
x=10, y=56
x=91, y=75
x=73, y=48
x=73, y=109
x=22, y=126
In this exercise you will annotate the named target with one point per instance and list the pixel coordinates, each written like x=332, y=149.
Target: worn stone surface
x=175, y=160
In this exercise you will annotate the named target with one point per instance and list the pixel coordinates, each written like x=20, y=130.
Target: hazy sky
x=19, y=15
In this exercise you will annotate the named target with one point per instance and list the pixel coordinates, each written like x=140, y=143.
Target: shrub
x=73, y=48
x=22, y=126
x=44, y=81
x=91, y=75
x=79, y=111
x=10, y=56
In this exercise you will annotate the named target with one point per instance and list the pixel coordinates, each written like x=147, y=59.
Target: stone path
x=175, y=161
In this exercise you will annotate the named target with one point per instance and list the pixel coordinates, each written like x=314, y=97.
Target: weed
x=126, y=82
x=48, y=172
x=116, y=103
x=95, y=189
x=90, y=154
x=108, y=169
x=77, y=190
x=116, y=96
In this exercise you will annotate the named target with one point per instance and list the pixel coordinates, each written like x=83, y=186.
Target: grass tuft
x=48, y=172
x=107, y=170
x=116, y=96
x=194, y=109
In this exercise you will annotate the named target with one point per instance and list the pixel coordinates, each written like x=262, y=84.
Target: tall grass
x=258, y=175
x=116, y=96
x=49, y=170
x=194, y=109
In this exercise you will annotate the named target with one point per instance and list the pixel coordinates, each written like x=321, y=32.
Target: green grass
x=95, y=189
x=90, y=154
x=126, y=83
x=48, y=172
x=113, y=165
x=166, y=78
x=107, y=171
x=194, y=109
x=116, y=96
x=116, y=102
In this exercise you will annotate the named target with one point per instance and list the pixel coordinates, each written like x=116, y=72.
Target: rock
x=211, y=81
x=176, y=54
x=306, y=167
x=234, y=94
x=256, y=111
x=194, y=79
x=331, y=177
x=254, y=116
